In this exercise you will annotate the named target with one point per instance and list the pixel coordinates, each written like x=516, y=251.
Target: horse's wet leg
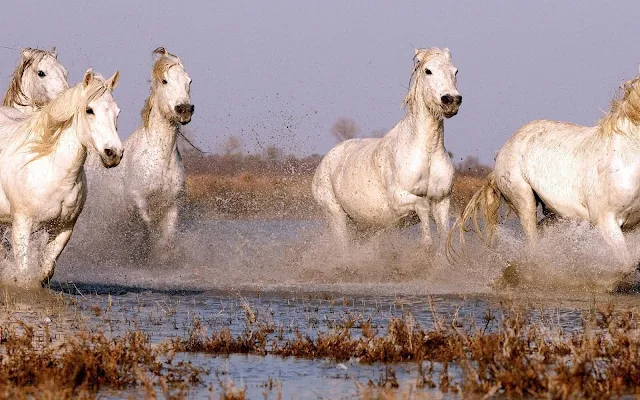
x=52, y=251
x=23, y=273
x=166, y=243
x=338, y=224
x=440, y=211
x=613, y=236
x=423, y=209
x=523, y=200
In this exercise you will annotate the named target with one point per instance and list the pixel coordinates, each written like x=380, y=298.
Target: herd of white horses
x=48, y=130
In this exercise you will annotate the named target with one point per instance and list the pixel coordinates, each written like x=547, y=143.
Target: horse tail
x=485, y=201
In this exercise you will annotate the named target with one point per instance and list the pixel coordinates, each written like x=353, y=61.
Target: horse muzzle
x=184, y=112
x=111, y=157
x=450, y=105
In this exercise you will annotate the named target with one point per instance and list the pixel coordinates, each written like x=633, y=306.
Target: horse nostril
x=446, y=99
x=109, y=153
x=192, y=108
x=458, y=99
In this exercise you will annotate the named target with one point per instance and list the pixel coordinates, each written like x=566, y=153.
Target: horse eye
x=89, y=110
x=164, y=81
x=428, y=71
x=41, y=74
x=456, y=73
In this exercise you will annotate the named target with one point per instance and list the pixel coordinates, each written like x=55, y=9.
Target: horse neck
x=162, y=133
x=425, y=130
x=69, y=155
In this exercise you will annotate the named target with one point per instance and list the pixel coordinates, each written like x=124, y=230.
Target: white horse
x=377, y=183
x=37, y=79
x=154, y=181
x=576, y=172
x=42, y=179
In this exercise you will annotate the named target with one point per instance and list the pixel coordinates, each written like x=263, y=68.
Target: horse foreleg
x=21, y=237
x=52, y=251
x=613, y=236
x=403, y=202
x=168, y=229
x=440, y=210
x=142, y=209
x=423, y=209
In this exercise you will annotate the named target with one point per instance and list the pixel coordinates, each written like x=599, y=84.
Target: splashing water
x=299, y=254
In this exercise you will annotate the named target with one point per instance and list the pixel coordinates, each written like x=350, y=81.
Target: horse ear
x=418, y=56
x=26, y=52
x=113, y=81
x=88, y=77
x=161, y=51
x=54, y=52
x=447, y=53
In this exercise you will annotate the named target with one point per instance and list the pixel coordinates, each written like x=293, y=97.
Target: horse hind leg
x=523, y=199
x=337, y=218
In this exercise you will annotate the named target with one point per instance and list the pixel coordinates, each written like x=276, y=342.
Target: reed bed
x=511, y=355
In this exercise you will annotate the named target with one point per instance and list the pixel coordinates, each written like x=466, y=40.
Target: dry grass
x=250, y=196
x=86, y=363
x=510, y=355
x=273, y=197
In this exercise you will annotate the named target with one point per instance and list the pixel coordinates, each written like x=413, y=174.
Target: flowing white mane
x=43, y=128
x=626, y=106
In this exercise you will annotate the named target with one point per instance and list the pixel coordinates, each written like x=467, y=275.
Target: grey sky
x=282, y=72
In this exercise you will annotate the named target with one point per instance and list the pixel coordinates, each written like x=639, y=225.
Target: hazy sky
x=282, y=72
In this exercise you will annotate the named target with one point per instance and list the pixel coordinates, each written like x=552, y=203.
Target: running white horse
x=42, y=179
x=575, y=172
x=38, y=79
x=377, y=183
x=154, y=181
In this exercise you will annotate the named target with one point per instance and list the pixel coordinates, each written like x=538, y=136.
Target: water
x=289, y=271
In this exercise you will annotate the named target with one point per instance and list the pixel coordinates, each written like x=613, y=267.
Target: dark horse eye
x=89, y=110
x=41, y=74
x=164, y=81
x=428, y=71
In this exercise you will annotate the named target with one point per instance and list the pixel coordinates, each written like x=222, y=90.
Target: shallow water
x=290, y=273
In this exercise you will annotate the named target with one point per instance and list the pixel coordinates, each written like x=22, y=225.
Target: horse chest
x=432, y=177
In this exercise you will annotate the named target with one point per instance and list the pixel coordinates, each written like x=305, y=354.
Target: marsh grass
x=513, y=354
x=86, y=363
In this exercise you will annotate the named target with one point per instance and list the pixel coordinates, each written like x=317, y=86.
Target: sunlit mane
x=420, y=59
x=624, y=107
x=15, y=95
x=46, y=125
x=165, y=61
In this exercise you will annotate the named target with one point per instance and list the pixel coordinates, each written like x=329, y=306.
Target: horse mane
x=625, y=106
x=420, y=59
x=14, y=95
x=44, y=127
x=164, y=61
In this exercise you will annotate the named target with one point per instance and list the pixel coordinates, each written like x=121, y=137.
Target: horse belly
x=366, y=202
